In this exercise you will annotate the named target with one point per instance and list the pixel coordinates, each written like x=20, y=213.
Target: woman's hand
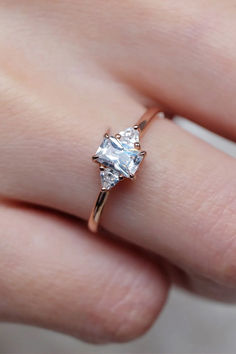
x=68, y=71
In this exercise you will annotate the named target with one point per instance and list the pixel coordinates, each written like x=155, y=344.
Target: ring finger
x=184, y=194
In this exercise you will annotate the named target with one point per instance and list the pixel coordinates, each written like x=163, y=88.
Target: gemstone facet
x=109, y=178
x=129, y=136
x=119, y=155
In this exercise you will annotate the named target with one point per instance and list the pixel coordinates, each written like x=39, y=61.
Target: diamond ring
x=119, y=157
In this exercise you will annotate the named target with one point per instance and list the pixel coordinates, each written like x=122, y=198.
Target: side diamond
x=109, y=178
x=129, y=136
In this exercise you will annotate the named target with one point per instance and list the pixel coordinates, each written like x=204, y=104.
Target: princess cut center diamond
x=119, y=155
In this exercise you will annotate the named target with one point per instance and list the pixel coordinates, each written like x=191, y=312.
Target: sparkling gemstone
x=118, y=155
x=109, y=178
x=129, y=136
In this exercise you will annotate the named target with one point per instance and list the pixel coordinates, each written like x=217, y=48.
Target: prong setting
x=119, y=160
x=119, y=156
x=94, y=158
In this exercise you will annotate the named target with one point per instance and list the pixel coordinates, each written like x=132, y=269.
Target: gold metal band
x=96, y=213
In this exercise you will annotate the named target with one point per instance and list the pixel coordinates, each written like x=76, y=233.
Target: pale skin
x=70, y=69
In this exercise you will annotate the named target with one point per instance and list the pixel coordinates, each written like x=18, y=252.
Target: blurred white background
x=188, y=325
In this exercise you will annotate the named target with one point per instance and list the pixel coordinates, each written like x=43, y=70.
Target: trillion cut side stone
x=119, y=156
x=129, y=136
x=109, y=178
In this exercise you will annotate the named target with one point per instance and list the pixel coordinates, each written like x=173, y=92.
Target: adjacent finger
x=179, y=53
x=55, y=274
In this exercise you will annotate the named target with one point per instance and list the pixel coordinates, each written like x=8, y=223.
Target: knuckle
x=128, y=310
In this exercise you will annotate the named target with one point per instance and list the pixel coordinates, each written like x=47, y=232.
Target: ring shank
x=146, y=119
x=96, y=212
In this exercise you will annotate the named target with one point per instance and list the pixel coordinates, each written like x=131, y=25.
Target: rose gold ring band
x=141, y=126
